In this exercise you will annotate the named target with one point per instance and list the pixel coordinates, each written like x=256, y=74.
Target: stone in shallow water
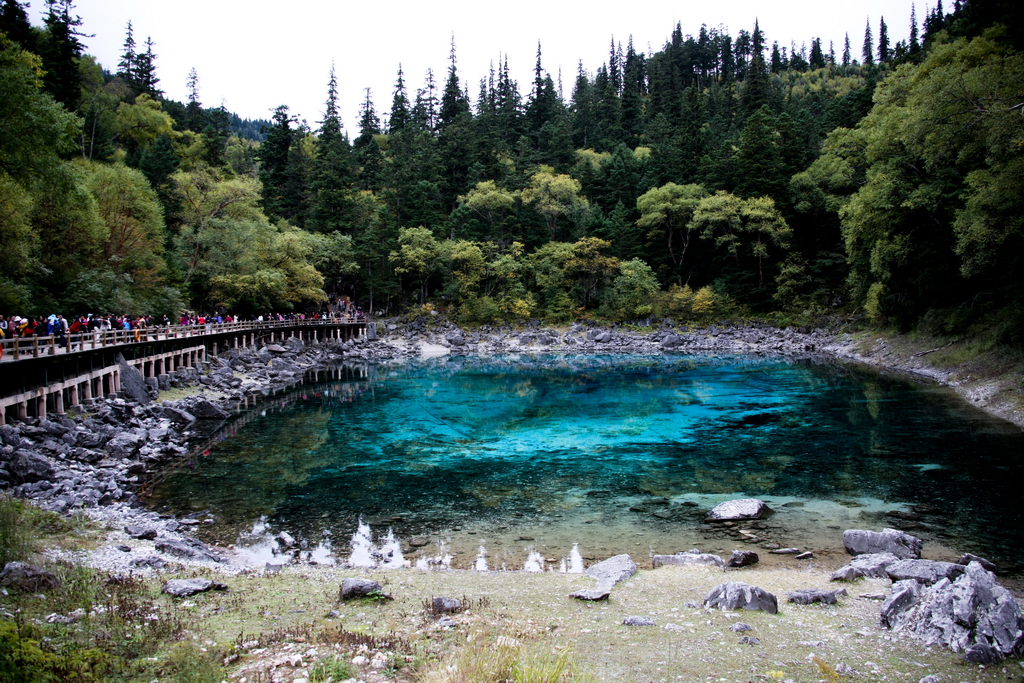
x=741, y=508
x=743, y=558
x=688, y=559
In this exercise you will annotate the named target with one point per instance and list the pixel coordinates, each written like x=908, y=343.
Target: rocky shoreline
x=97, y=461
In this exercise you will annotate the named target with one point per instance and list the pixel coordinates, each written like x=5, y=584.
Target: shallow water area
x=515, y=458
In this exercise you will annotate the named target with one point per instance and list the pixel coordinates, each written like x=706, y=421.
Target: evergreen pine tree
x=884, y=55
x=14, y=22
x=145, y=72
x=915, y=46
x=776, y=63
x=127, y=65
x=757, y=88
x=61, y=51
x=868, y=53
x=273, y=157
x=817, y=60
x=453, y=101
x=400, y=115
x=367, y=151
x=846, y=50
x=331, y=176
x=194, y=117
x=424, y=111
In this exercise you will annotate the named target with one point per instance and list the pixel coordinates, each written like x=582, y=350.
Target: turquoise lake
x=510, y=456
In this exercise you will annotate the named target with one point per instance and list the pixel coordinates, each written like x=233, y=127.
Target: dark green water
x=557, y=450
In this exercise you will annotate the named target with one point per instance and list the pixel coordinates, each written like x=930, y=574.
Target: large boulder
x=124, y=445
x=743, y=558
x=613, y=570
x=741, y=508
x=871, y=566
x=204, y=410
x=899, y=543
x=924, y=571
x=27, y=578
x=971, y=614
x=734, y=595
x=26, y=467
x=807, y=596
x=133, y=384
x=690, y=558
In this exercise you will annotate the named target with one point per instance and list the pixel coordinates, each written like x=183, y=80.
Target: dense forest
x=721, y=175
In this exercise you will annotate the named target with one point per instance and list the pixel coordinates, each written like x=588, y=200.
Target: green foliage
x=17, y=541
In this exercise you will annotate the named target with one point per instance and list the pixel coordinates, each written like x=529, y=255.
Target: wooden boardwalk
x=21, y=348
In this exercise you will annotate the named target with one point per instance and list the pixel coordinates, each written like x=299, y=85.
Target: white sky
x=256, y=55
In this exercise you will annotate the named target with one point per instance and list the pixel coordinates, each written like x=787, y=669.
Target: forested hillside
x=722, y=174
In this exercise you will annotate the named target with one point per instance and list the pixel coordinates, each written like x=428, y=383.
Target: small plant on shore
x=331, y=670
x=17, y=541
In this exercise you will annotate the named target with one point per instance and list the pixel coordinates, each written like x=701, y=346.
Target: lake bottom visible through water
x=537, y=462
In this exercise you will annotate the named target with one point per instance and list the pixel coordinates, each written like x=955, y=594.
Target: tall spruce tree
x=331, y=202
x=400, y=115
x=915, y=45
x=146, y=79
x=846, y=50
x=61, y=51
x=884, y=53
x=868, y=52
x=14, y=22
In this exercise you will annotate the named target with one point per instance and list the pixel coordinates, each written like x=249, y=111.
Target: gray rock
x=743, y=558
x=982, y=653
x=741, y=508
x=26, y=467
x=27, y=578
x=124, y=445
x=147, y=533
x=930, y=679
x=901, y=544
x=178, y=416
x=637, y=621
x=204, y=410
x=804, y=556
x=872, y=566
x=807, y=596
x=276, y=348
x=150, y=561
x=967, y=558
x=749, y=640
x=182, y=588
x=444, y=605
x=133, y=384
x=972, y=610
x=352, y=588
x=689, y=559
x=923, y=571
x=593, y=594
x=613, y=570
x=736, y=595
x=740, y=627
x=189, y=549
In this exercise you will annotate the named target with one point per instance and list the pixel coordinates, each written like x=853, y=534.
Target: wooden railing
x=18, y=348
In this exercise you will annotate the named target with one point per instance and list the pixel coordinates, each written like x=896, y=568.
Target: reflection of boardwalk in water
x=277, y=400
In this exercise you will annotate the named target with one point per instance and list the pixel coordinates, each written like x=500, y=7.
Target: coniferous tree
x=367, y=151
x=868, y=52
x=194, y=109
x=424, y=111
x=400, y=114
x=884, y=54
x=274, y=166
x=126, y=67
x=15, y=24
x=145, y=72
x=846, y=50
x=61, y=51
x=817, y=60
x=454, y=102
x=915, y=46
x=331, y=174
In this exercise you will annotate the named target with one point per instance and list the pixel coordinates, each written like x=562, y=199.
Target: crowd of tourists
x=58, y=326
